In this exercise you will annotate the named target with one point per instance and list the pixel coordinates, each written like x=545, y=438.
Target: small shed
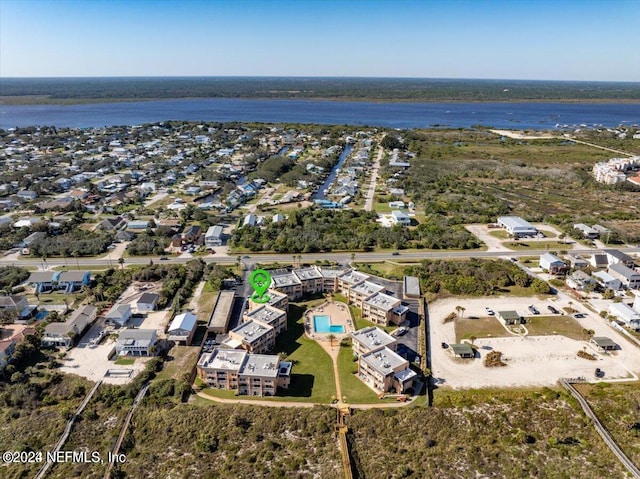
x=462, y=350
x=510, y=317
x=604, y=343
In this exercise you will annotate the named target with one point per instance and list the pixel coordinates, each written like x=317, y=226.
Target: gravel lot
x=532, y=360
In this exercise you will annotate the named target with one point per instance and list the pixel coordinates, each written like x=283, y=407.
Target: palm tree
x=331, y=338
x=459, y=310
x=121, y=262
x=462, y=309
x=353, y=257
x=75, y=254
x=472, y=338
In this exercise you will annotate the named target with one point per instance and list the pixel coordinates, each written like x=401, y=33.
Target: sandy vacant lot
x=532, y=360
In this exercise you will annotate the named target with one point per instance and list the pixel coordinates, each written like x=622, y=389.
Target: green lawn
x=180, y=361
x=125, y=361
x=312, y=373
x=524, y=245
x=550, y=325
x=500, y=234
x=480, y=328
x=355, y=391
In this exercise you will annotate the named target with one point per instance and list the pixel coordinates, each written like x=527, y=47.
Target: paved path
x=608, y=439
x=368, y=204
x=602, y=147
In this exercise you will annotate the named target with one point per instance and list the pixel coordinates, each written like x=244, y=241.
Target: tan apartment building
x=348, y=280
x=286, y=282
x=384, y=309
x=311, y=280
x=253, y=336
x=370, y=339
x=249, y=374
x=384, y=370
x=361, y=291
x=274, y=317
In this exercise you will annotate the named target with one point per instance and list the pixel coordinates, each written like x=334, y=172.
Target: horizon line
x=355, y=77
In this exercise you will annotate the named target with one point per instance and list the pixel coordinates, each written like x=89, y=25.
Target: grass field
x=354, y=390
x=125, y=361
x=180, y=361
x=535, y=245
x=480, y=328
x=205, y=302
x=563, y=325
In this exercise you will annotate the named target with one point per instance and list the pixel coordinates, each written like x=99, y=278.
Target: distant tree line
x=73, y=243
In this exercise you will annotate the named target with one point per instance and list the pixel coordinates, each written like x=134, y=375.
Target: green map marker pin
x=260, y=280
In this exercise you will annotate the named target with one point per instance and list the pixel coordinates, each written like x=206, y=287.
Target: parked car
x=490, y=311
x=533, y=309
x=514, y=259
x=579, y=315
x=553, y=310
x=400, y=331
x=444, y=345
x=599, y=373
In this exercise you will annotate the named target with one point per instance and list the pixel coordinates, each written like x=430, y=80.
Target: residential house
x=111, y=224
x=213, y=236
x=119, y=314
x=576, y=261
x=68, y=281
x=13, y=303
x=552, y=264
x=63, y=334
x=599, y=261
x=580, y=281
x=586, y=231
x=615, y=256
x=348, y=280
x=606, y=281
x=123, y=236
x=400, y=218
x=10, y=336
x=136, y=342
x=192, y=234
x=182, y=328
x=138, y=225
x=27, y=195
x=625, y=314
x=146, y=302
x=628, y=277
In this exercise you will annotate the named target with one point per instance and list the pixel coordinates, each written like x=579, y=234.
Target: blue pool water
x=322, y=324
x=41, y=315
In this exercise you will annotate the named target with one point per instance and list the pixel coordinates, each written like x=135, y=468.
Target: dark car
x=164, y=258
x=599, y=373
x=533, y=309
x=553, y=310
x=579, y=315
x=395, y=253
x=444, y=345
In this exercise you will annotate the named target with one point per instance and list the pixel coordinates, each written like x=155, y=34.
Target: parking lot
x=531, y=360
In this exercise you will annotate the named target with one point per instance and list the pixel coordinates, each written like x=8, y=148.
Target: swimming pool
x=41, y=315
x=322, y=324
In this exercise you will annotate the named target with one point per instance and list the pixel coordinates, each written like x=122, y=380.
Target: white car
x=490, y=311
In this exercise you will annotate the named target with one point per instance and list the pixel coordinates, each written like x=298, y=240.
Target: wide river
x=521, y=116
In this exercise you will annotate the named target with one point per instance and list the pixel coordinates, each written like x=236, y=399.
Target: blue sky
x=523, y=39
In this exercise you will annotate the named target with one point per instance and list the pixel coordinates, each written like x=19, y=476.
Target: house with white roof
x=606, y=281
x=400, y=218
x=629, y=278
x=182, y=328
x=625, y=314
x=136, y=342
x=385, y=370
x=552, y=264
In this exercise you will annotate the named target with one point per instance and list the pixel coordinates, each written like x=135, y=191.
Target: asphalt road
x=342, y=257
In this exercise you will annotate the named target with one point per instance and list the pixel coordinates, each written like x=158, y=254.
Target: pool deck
x=339, y=315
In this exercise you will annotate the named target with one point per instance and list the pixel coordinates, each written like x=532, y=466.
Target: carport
x=462, y=350
x=604, y=343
